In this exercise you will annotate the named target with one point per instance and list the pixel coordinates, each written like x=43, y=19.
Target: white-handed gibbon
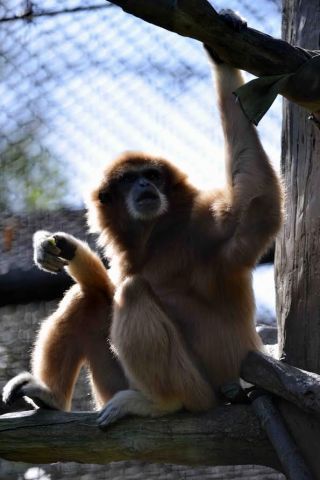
x=179, y=319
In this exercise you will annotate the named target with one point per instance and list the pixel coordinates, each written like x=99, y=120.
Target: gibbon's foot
x=26, y=386
x=110, y=414
x=124, y=403
x=52, y=252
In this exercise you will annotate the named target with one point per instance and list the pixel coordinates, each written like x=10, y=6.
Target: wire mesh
x=84, y=81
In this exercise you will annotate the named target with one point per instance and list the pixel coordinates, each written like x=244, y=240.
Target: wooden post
x=298, y=248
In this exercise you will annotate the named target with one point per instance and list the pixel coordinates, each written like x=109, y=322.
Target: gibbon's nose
x=143, y=182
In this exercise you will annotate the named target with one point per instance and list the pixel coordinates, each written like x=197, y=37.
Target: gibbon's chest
x=186, y=273
x=213, y=313
x=176, y=266
x=195, y=291
x=185, y=285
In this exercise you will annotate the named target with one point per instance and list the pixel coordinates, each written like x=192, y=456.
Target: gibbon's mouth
x=147, y=197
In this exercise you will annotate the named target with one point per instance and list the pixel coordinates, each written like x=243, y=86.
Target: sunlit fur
x=180, y=318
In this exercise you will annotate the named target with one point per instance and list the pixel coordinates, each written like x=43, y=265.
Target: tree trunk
x=298, y=250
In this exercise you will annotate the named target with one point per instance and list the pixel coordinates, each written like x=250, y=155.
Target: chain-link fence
x=82, y=81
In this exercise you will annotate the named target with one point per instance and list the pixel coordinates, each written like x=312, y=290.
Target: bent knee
x=79, y=299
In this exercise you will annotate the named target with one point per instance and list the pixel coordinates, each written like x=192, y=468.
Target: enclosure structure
x=303, y=427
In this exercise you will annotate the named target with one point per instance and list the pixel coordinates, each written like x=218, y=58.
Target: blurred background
x=81, y=81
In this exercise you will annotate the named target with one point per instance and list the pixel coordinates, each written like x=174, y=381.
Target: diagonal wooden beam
x=249, y=49
x=293, y=384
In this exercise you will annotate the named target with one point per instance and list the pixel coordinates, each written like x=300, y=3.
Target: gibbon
x=179, y=319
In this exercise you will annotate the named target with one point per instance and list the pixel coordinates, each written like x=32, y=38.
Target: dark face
x=142, y=189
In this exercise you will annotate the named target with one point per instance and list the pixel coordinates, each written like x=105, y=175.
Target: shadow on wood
x=229, y=435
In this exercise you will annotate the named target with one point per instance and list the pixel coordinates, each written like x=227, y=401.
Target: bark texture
x=290, y=383
x=298, y=248
x=248, y=49
x=297, y=251
x=225, y=436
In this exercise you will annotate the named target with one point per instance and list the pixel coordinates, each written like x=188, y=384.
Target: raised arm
x=251, y=212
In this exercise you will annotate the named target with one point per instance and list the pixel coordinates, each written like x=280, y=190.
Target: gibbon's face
x=141, y=188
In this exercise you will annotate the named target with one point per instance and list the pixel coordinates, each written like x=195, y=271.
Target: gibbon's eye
x=104, y=197
x=154, y=175
x=128, y=178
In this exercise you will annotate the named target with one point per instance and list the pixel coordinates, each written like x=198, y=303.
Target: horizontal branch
x=248, y=49
x=226, y=436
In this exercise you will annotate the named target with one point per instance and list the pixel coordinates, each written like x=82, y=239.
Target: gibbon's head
x=136, y=188
x=137, y=183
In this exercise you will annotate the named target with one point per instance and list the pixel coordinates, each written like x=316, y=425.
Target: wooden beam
x=229, y=435
x=293, y=384
x=248, y=49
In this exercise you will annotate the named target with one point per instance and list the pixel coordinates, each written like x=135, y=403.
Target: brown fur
x=183, y=308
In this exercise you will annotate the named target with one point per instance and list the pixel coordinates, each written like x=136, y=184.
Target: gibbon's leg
x=58, y=353
x=154, y=357
x=56, y=359
x=106, y=374
x=75, y=334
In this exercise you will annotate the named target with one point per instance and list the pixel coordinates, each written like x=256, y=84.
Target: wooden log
x=248, y=49
x=304, y=428
x=229, y=435
x=293, y=384
x=300, y=389
x=294, y=464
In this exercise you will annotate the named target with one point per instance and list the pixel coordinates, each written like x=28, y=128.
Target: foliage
x=30, y=177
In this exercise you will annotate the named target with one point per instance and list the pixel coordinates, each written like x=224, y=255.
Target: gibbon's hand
x=234, y=21
x=53, y=251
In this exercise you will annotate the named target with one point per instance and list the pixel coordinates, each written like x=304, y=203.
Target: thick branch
x=300, y=389
x=248, y=50
x=226, y=436
x=298, y=386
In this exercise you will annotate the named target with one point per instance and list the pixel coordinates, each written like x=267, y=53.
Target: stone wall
x=18, y=327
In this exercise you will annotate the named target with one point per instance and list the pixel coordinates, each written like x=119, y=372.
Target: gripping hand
x=235, y=22
x=53, y=251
